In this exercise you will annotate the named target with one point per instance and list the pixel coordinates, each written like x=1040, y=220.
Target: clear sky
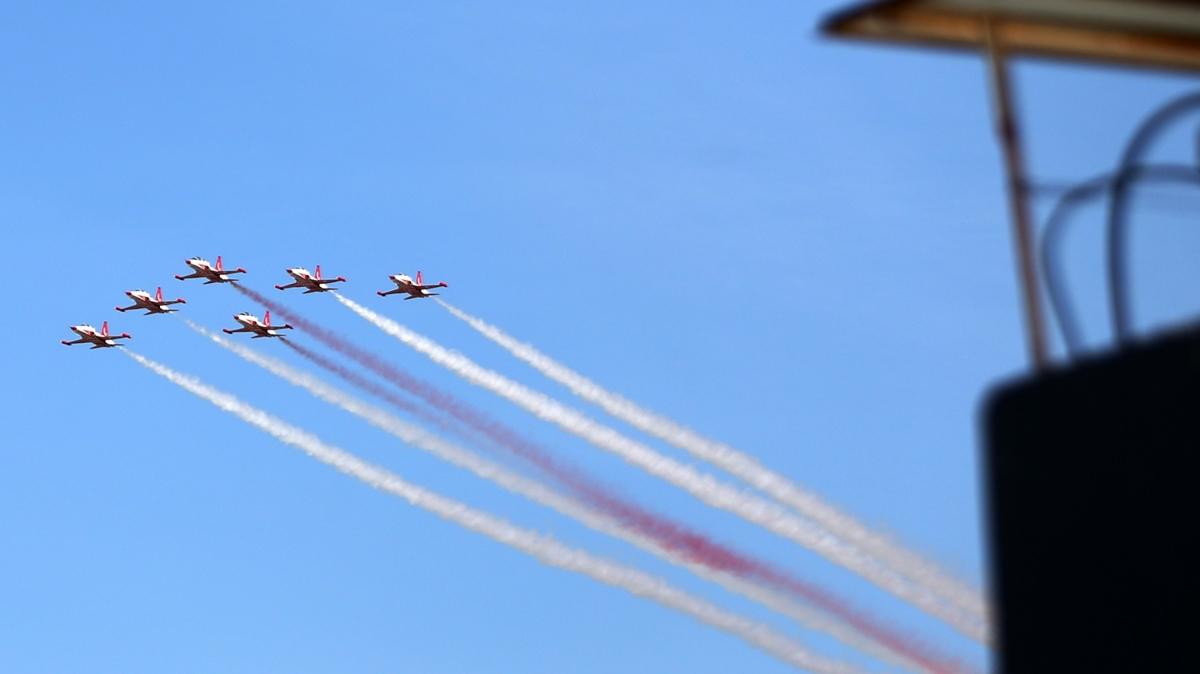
x=796, y=246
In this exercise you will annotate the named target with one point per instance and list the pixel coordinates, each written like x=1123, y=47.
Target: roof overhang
x=1143, y=33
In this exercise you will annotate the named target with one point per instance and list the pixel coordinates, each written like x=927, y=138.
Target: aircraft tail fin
x=318, y=271
x=104, y=329
x=220, y=267
x=420, y=279
x=158, y=294
x=267, y=319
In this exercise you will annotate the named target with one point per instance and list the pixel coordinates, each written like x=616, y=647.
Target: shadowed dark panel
x=1092, y=486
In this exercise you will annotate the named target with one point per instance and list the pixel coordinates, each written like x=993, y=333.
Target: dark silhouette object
x=1118, y=210
x=1092, y=484
x=1053, y=233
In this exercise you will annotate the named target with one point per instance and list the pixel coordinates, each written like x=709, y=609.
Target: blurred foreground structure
x=1091, y=480
x=1149, y=33
x=1089, y=467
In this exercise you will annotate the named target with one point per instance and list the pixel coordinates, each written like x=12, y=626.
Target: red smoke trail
x=372, y=387
x=692, y=545
x=675, y=537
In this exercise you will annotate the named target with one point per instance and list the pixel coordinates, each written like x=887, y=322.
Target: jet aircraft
x=263, y=328
x=312, y=283
x=152, y=305
x=209, y=272
x=99, y=339
x=415, y=289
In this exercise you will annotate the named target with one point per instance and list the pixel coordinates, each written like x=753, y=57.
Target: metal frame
x=1007, y=132
x=1158, y=34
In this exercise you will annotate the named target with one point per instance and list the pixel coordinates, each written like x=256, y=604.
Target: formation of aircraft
x=99, y=339
x=312, y=283
x=250, y=323
x=415, y=289
x=217, y=273
x=209, y=272
x=152, y=305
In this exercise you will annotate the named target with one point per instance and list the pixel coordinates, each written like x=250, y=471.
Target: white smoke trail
x=543, y=495
x=544, y=548
x=703, y=486
x=906, y=562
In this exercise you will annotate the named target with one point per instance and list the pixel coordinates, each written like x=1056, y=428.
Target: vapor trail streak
x=544, y=548
x=705, y=487
x=677, y=538
x=906, y=562
x=463, y=431
x=845, y=626
x=695, y=546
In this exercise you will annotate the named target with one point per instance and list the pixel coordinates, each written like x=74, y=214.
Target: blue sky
x=793, y=245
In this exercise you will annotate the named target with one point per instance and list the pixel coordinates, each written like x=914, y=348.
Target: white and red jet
x=250, y=323
x=152, y=304
x=312, y=283
x=99, y=339
x=209, y=272
x=415, y=289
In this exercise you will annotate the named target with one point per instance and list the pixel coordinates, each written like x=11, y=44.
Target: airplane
x=415, y=289
x=98, y=340
x=312, y=282
x=208, y=272
x=250, y=323
x=152, y=305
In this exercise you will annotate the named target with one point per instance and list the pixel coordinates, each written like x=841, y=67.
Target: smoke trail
x=705, y=487
x=365, y=384
x=670, y=534
x=524, y=450
x=746, y=467
x=542, y=547
x=695, y=546
x=848, y=626
x=702, y=486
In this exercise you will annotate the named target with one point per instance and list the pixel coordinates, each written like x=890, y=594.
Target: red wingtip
x=444, y=284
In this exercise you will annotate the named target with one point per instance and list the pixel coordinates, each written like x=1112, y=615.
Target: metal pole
x=1010, y=145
